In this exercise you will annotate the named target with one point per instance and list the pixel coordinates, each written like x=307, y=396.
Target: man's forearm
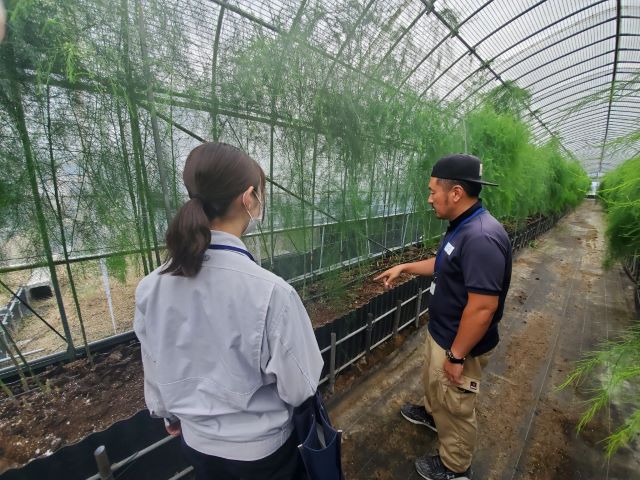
x=423, y=267
x=475, y=321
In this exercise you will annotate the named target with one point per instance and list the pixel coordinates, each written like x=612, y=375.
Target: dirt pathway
x=561, y=304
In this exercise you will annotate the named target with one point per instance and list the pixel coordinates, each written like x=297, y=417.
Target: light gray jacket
x=229, y=352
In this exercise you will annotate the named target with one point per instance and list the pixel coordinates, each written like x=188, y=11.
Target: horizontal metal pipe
x=135, y=456
x=376, y=320
x=130, y=335
x=98, y=345
x=97, y=256
x=182, y=474
x=361, y=354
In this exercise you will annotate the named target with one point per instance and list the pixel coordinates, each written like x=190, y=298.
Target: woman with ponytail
x=227, y=347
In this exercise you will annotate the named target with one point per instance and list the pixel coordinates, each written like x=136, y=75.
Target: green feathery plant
x=114, y=95
x=615, y=366
x=533, y=179
x=620, y=194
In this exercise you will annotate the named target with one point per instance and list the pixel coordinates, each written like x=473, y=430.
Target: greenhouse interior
x=346, y=105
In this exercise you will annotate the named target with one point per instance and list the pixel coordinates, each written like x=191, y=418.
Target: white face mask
x=254, y=223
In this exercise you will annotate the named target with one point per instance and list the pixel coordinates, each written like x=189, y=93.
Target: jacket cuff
x=172, y=420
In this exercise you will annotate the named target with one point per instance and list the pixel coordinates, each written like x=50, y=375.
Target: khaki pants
x=453, y=408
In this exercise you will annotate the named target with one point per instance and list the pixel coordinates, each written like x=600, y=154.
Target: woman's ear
x=246, y=197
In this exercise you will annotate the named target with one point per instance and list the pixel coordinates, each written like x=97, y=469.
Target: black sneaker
x=432, y=468
x=418, y=414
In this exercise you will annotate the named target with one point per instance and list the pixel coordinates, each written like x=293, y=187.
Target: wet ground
x=561, y=304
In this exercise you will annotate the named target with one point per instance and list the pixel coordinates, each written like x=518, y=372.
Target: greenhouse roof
x=578, y=59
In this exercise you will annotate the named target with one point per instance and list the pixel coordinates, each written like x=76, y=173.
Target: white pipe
x=107, y=291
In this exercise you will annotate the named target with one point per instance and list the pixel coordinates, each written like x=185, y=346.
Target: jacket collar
x=224, y=238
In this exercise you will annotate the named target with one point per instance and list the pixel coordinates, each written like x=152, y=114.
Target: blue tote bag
x=320, y=443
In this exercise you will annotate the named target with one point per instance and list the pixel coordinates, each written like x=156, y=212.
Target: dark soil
x=355, y=287
x=75, y=400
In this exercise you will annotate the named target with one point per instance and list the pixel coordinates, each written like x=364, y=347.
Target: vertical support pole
x=146, y=69
x=404, y=230
x=314, y=161
x=369, y=331
x=102, y=460
x=271, y=212
x=396, y=317
x=464, y=129
x=366, y=232
x=332, y=363
x=418, y=306
x=321, y=247
x=18, y=114
x=215, y=133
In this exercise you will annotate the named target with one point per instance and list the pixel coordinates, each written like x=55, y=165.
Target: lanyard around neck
x=233, y=249
x=451, y=236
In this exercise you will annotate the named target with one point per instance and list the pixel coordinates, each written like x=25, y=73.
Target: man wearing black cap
x=471, y=275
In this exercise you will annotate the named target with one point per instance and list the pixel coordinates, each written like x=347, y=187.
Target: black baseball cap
x=460, y=166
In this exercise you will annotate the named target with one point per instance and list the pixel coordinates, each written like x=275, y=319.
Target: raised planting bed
x=78, y=399
x=79, y=395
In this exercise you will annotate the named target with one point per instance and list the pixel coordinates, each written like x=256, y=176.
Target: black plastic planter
x=122, y=439
x=163, y=462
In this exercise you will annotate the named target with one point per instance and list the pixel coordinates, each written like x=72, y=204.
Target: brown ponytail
x=214, y=174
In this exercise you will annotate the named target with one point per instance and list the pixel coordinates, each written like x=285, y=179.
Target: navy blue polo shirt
x=480, y=262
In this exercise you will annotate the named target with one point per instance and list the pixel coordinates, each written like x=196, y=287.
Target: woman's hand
x=388, y=276
x=174, y=429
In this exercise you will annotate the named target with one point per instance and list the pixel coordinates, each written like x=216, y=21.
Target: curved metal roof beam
x=592, y=88
x=630, y=120
x=474, y=53
x=621, y=118
x=587, y=136
x=556, y=72
x=585, y=72
x=401, y=36
x=348, y=38
x=563, y=89
x=528, y=37
x=537, y=52
x=429, y=8
x=566, y=117
x=242, y=13
x=552, y=118
x=583, y=47
x=562, y=123
x=528, y=57
x=472, y=49
x=613, y=80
